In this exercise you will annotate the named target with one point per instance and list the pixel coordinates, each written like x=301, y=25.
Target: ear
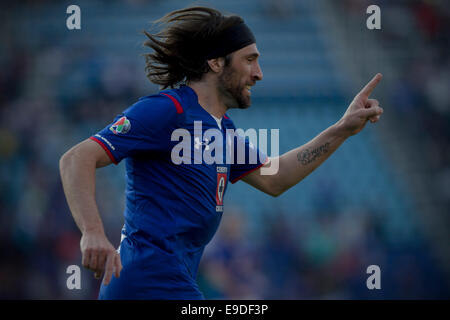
x=216, y=64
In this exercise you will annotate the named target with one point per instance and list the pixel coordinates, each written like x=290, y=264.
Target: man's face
x=238, y=76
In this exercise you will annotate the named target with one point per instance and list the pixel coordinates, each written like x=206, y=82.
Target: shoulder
x=174, y=97
x=151, y=105
x=155, y=110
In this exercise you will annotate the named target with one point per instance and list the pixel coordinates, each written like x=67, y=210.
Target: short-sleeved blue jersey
x=172, y=210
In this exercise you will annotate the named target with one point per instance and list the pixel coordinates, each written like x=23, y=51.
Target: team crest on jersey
x=122, y=125
x=220, y=189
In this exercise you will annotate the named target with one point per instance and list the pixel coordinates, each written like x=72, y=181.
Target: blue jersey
x=172, y=208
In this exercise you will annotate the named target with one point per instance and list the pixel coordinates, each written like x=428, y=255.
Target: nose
x=257, y=75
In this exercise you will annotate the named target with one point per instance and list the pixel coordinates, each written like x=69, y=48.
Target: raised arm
x=298, y=163
x=77, y=169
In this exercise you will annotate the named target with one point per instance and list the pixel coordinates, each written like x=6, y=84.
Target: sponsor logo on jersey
x=220, y=189
x=122, y=125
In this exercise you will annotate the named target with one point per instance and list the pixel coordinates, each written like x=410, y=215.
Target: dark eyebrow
x=252, y=55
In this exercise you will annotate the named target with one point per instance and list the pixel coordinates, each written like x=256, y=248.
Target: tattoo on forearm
x=307, y=156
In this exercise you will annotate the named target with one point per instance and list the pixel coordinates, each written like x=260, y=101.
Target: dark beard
x=232, y=95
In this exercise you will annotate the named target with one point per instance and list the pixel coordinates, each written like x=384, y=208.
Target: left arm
x=298, y=163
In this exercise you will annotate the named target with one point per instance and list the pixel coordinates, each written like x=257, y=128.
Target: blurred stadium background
x=383, y=198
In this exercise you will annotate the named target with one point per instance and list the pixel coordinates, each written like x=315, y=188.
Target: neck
x=208, y=97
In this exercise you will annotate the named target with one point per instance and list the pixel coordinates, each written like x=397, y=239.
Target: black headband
x=231, y=39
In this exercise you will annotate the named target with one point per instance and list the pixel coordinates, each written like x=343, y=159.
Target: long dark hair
x=180, y=47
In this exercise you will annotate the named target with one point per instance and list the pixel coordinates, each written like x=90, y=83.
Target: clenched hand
x=99, y=255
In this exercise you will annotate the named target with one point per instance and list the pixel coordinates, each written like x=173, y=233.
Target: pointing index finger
x=367, y=90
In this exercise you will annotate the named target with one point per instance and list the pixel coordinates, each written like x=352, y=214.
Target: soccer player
x=206, y=64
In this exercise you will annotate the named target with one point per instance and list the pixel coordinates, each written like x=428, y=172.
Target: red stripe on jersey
x=110, y=155
x=175, y=102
